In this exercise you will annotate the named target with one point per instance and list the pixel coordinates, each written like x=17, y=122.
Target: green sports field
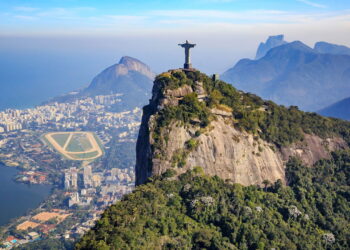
x=75, y=145
x=79, y=143
x=60, y=138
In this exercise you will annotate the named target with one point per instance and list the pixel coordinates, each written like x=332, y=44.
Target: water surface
x=17, y=198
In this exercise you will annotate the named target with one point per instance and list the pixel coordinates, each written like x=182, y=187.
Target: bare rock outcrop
x=172, y=97
x=235, y=155
x=220, y=148
x=225, y=152
x=313, y=148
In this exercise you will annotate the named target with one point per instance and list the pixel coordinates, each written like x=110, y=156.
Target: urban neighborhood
x=80, y=188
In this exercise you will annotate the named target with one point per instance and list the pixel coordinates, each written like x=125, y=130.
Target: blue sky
x=60, y=45
x=226, y=30
x=134, y=16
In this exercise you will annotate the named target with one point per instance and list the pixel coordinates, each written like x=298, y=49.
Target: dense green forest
x=272, y=122
x=196, y=211
x=47, y=244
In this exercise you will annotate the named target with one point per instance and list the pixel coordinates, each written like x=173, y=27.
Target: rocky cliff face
x=220, y=148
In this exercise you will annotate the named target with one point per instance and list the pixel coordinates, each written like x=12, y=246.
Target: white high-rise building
x=74, y=199
x=87, y=176
x=71, y=179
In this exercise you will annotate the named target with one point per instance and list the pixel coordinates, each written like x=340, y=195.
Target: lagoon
x=17, y=198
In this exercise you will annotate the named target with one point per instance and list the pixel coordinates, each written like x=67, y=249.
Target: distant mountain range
x=295, y=74
x=130, y=77
x=328, y=48
x=340, y=110
x=271, y=42
x=287, y=73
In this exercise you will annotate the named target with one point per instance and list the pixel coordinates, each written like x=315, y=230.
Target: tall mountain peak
x=128, y=59
x=298, y=45
x=129, y=77
x=271, y=42
x=288, y=49
x=193, y=120
x=134, y=64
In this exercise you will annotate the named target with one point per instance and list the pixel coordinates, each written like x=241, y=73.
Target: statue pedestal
x=187, y=65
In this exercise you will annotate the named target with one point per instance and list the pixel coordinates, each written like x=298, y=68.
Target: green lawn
x=60, y=138
x=79, y=143
x=84, y=155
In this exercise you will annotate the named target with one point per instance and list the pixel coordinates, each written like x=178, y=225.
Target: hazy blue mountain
x=129, y=72
x=329, y=48
x=294, y=74
x=271, y=42
x=130, y=77
x=339, y=109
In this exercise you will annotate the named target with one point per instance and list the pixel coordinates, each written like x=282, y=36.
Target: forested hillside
x=275, y=123
x=196, y=211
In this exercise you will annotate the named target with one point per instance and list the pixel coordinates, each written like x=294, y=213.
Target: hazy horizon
x=59, y=46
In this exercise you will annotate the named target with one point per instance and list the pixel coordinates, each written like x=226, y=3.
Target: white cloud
x=313, y=4
x=56, y=12
x=26, y=18
x=125, y=18
x=235, y=17
x=77, y=21
x=65, y=13
x=216, y=1
x=25, y=9
x=216, y=13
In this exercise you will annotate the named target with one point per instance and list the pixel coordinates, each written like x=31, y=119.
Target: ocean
x=29, y=77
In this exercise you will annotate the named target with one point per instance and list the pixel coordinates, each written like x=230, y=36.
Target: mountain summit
x=133, y=64
x=129, y=71
x=130, y=77
x=271, y=42
x=193, y=120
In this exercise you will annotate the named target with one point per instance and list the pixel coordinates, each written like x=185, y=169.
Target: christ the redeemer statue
x=187, y=47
